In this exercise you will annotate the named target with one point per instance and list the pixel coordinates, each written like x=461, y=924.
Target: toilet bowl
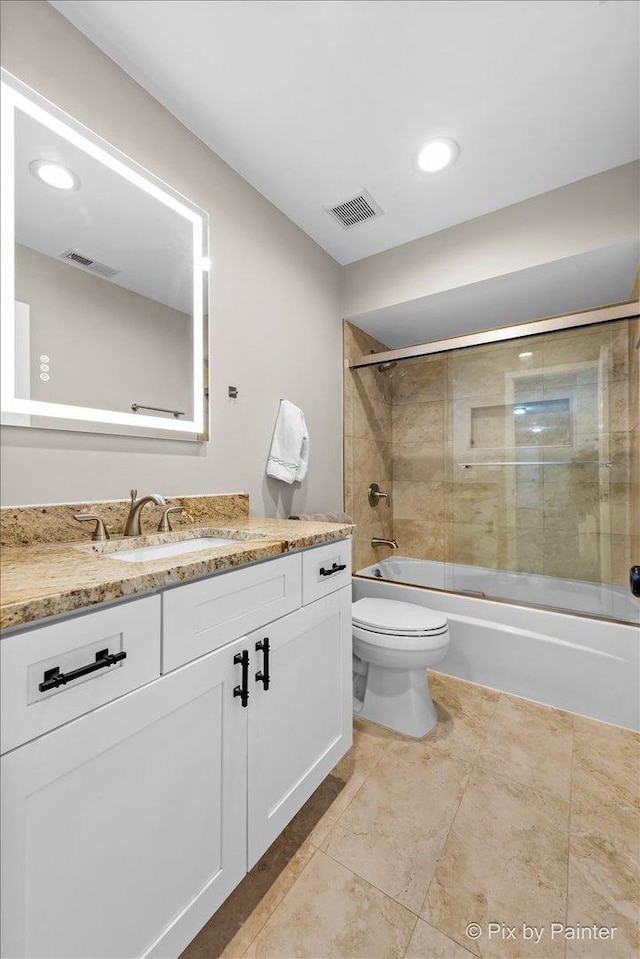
x=394, y=643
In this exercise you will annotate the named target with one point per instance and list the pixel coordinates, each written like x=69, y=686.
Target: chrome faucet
x=132, y=527
x=391, y=543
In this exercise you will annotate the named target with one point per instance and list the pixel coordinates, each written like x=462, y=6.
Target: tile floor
x=508, y=813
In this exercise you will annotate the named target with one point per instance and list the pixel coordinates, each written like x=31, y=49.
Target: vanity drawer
x=199, y=617
x=69, y=646
x=321, y=573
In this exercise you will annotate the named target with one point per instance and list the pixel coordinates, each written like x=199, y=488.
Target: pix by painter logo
x=536, y=934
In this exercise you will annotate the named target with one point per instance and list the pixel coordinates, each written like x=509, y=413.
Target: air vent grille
x=94, y=266
x=356, y=210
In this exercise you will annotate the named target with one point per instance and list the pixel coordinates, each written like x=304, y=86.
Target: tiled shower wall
x=579, y=390
x=367, y=446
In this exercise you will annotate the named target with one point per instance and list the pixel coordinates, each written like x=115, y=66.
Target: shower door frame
x=620, y=311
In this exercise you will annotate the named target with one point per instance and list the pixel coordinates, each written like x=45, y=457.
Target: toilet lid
x=395, y=618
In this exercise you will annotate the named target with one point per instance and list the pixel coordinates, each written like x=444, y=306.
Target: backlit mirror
x=104, y=283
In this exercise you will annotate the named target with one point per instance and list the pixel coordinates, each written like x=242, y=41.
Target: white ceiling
x=575, y=283
x=106, y=219
x=312, y=100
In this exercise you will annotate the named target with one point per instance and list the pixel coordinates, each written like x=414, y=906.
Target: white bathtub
x=614, y=602
x=582, y=664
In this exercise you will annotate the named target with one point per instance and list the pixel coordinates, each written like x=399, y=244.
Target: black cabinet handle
x=334, y=569
x=53, y=677
x=634, y=580
x=263, y=674
x=243, y=690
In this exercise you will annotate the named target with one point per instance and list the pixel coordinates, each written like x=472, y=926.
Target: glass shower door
x=539, y=454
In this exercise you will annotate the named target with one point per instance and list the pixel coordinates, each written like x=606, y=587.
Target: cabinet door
x=302, y=724
x=124, y=830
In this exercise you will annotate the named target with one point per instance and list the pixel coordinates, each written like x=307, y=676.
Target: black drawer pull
x=263, y=674
x=243, y=690
x=54, y=678
x=334, y=569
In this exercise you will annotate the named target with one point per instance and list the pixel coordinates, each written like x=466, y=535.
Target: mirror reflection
x=108, y=290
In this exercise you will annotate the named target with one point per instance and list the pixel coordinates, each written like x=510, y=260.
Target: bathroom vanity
x=137, y=795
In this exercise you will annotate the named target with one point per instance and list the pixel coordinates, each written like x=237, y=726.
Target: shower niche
x=521, y=424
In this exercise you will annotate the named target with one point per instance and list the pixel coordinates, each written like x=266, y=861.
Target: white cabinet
x=125, y=828
x=123, y=831
x=302, y=724
x=199, y=617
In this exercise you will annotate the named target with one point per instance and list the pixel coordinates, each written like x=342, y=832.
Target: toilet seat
x=390, y=617
x=415, y=643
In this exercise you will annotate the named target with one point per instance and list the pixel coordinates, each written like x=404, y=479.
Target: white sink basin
x=146, y=553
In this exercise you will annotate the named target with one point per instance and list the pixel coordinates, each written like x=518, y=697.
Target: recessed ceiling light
x=524, y=356
x=519, y=410
x=437, y=154
x=54, y=174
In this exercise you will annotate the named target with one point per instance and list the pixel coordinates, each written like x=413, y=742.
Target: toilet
x=394, y=643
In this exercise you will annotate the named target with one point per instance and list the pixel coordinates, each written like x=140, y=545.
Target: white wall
x=275, y=307
x=597, y=212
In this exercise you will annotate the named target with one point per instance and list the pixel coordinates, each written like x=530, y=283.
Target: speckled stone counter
x=54, y=522
x=51, y=579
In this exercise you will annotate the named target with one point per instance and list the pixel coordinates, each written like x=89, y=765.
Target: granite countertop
x=44, y=580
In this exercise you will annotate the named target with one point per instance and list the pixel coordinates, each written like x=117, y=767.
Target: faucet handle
x=375, y=494
x=100, y=533
x=165, y=524
x=134, y=495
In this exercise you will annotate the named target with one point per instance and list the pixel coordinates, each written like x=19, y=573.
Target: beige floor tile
x=531, y=744
x=604, y=875
x=394, y=829
x=606, y=762
x=319, y=813
x=464, y=714
x=370, y=744
x=238, y=921
x=428, y=943
x=330, y=912
x=505, y=861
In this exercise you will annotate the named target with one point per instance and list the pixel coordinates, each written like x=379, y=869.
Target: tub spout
x=391, y=543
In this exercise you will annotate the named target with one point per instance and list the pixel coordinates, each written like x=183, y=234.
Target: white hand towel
x=289, y=457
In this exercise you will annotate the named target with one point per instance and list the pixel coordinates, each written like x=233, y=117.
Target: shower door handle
x=634, y=580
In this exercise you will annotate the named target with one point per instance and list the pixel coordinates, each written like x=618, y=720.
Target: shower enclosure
x=512, y=467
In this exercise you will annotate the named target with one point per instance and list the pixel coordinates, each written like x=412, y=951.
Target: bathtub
x=614, y=602
x=585, y=665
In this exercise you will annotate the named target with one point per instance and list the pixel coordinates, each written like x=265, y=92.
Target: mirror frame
x=17, y=96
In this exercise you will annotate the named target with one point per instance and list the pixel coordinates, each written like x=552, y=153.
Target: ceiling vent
x=357, y=210
x=87, y=263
